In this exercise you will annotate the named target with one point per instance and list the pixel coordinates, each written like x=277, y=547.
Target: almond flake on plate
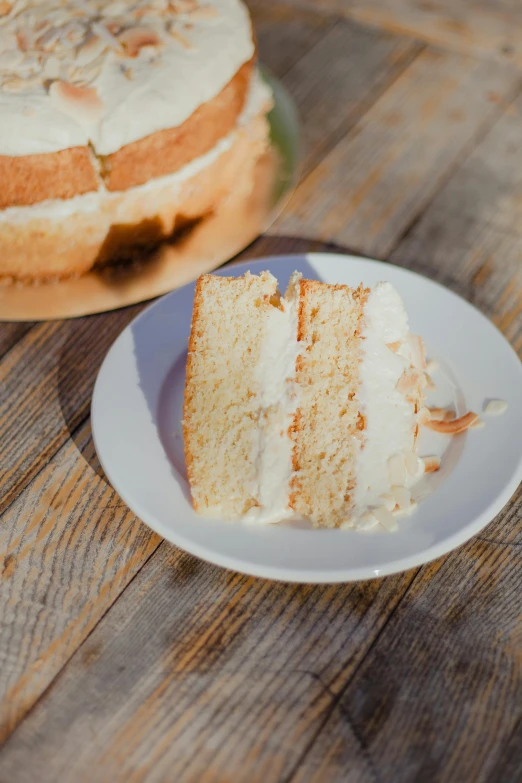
x=402, y=497
x=454, y=427
x=136, y=38
x=496, y=408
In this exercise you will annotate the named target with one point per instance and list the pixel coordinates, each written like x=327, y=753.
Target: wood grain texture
x=285, y=33
x=339, y=79
x=10, y=333
x=68, y=547
x=470, y=237
x=444, y=677
x=46, y=381
x=200, y=674
x=489, y=29
x=372, y=185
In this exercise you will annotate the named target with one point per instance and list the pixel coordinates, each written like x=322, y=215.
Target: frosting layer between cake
x=258, y=100
x=278, y=401
x=390, y=416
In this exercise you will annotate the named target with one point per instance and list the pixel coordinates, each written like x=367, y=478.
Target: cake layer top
x=74, y=72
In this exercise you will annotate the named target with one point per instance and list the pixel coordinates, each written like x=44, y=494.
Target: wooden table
x=124, y=659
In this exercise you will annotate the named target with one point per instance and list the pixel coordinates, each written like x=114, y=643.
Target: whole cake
x=119, y=123
x=308, y=405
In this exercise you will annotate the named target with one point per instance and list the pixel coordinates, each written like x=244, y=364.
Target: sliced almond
x=76, y=102
x=116, y=8
x=17, y=84
x=183, y=6
x=367, y=522
x=203, y=13
x=402, y=497
x=410, y=380
x=51, y=69
x=478, y=425
x=24, y=40
x=414, y=465
x=92, y=48
x=102, y=32
x=496, y=408
x=441, y=414
x=453, y=427
x=432, y=366
x=431, y=464
x=185, y=43
x=385, y=518
x=418, y=351
x=136, y=38
x=397, y=470
x=388, y=501
x=429, y=381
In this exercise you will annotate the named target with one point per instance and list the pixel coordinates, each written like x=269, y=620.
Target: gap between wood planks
x=490, y=33
x=463, y=155
x=335, y=704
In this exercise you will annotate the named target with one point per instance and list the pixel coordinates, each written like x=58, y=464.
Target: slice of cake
x=120, y=122
x=306, y=405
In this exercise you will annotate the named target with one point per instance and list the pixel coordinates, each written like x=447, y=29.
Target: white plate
x=136, y=413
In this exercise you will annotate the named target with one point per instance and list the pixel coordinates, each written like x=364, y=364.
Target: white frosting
x=272, y=446
x=200, y=48
x=390, y=418
x=117, y=205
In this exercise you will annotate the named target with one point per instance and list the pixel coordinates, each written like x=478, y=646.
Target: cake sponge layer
x=329, y=426
x=221, y=409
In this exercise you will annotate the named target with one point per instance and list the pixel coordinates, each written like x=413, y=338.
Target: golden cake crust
x=29, y=179
x=42, y=248
x=32, y=178
x=169, y=150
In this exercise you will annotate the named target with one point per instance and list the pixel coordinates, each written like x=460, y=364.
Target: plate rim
x=304, y=576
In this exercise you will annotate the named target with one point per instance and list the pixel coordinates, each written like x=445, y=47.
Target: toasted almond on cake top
x=76, y=101
x=136, y=38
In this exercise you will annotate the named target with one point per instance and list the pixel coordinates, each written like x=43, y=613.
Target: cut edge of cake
x=318, y=406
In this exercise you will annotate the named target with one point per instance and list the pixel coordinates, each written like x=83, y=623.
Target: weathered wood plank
x=285, y=34
x=10, y=333
x=490, y=29
x=59, y=567
x=337, y=81
x=470, y=237
x=68, y=547
x=199, y=674
x=47, y=380
x=379, y=178
x=440, y=693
